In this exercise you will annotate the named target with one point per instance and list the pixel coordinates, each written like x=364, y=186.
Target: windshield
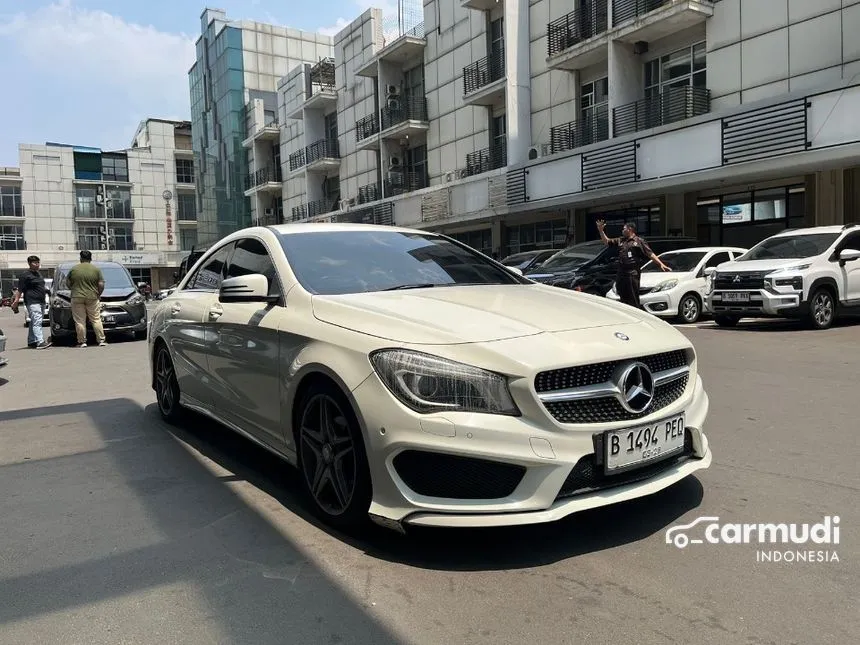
x=572, y=257
x=115, y=278
x=676, y=261
x=790, y=247
x=341, y=262
x=519, y=259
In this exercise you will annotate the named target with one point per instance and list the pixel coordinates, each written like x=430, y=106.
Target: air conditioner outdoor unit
x=392, y=90
x=349, y=202
x=535, y=152
x=393, y=104
x=394, y=162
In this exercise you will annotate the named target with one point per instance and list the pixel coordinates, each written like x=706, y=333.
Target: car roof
x=812, y=230
x=324, y=227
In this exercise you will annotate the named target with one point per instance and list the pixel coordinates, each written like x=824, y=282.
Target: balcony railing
x=366, y=127
x=405, y=182
x=262, y=176
x=408, y=108
x=322, y=74
x=297, y=159
x=369, y=193
x=16, y=210
x=624, y=10
x=673, y=104
x=322, y=149
x=579, y=133
x=483, y=72
x=312, y=209
x=496, y=156
x=577, y=26
x=99, y=213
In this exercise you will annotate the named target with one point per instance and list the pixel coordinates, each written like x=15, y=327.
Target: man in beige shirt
x=87, y=283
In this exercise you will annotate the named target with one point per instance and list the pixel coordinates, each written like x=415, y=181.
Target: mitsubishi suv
x=812, y=274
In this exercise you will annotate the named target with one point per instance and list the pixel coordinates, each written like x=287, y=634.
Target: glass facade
x=218, y=127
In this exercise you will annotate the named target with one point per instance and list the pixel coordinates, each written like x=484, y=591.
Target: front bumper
x=548, y=455
x=756, y=302
x=660, y=303
x=116, y=318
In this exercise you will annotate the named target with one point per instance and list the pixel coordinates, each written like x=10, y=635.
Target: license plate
x=736, y=297
x=107, y=318
x=634, y=447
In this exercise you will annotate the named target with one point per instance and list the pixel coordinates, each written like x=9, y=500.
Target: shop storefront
x=480, y=240
x=645, y=218
x=746, y=218
x=536, y=236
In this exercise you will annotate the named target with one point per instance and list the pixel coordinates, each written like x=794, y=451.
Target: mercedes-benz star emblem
x=621, y=336
x=636, y=386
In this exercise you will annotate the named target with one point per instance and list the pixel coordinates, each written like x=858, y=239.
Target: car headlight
x=709, y=284
x=796, y=267
x=428, y=383
x=136, y=299
x=666, y=285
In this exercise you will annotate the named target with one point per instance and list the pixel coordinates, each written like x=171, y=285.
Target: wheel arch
x=828, y=282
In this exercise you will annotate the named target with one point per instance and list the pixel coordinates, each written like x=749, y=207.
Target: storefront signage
x=137, y=259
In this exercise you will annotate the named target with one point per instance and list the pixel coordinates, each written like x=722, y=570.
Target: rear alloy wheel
x=167, y=387
x=689, y=309
x=822, y=309
x=332, y=459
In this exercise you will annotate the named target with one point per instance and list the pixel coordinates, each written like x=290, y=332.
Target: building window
x=122, y=238
x=744, y=219
x=594, y=112
x=535, y=237
x=88, y=165
x=414, y=83
x=331, y=186
x=114, y=168
x=497, y=38
x=184, y=171
x=85, y=203
x=331, y=126
x=119, y=203
x=187, y=239
x=681, y=68
x=186, y=207
x=12, y=237
x=10, y=202
x=416, y=166
x=88, y=238
x=481, y=240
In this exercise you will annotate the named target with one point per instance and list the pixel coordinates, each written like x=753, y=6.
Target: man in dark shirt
x=31, y=289
x=633, y=252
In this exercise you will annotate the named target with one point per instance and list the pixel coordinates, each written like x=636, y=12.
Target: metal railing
x=297, y=159
x=624, y=10
x=369, y=193
x=496, y=156
x=322, y=73
x=312, y=209
x=577, y=26
x=366, y=127
x=671, y=105
x=407, y=108
x=483, y=72
x=263, y=176
x=405, y=182
x=576, y=134
x=322, y=149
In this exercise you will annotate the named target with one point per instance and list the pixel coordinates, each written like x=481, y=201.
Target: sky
x=86, y=72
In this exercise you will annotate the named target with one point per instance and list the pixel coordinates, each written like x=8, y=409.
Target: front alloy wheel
x=166, y=387
x=332, y=460
x=690, y=309
x=821, y=309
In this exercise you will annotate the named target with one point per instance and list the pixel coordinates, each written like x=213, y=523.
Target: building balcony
x=404, y=117
x=484, y=81
x=404, y=181
x=672, y=105
x=322, y=93
x=366, y=131
x=480, y=5
x=98, y=215
x=404, y=49
x=492, y=158
x=369, y=193
x=577, y=134
x=12, y=175
x=650, y=20
x=577, y=40
x=323, y=155
x=269, y=132
x=315, y=208
x=265, y=179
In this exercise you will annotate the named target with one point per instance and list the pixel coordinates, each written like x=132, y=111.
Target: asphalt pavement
x=116, y=528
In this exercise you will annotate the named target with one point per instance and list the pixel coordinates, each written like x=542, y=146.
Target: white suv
x=811, y=273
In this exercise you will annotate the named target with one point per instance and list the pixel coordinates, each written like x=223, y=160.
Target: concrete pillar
x=691, y=214
x=851, y=202
x=580, y=223
x=829, y=197
x=497, y=232
x=673, y=213
x=518, y=80
x=625, y=78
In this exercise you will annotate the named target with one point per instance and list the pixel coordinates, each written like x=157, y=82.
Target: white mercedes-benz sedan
x=415, y=381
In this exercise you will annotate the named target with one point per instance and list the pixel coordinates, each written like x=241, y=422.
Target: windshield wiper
x=416, y=285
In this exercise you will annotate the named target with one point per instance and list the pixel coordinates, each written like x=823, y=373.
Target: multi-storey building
x=135, y=206
x=516, y=124
x=233, y=86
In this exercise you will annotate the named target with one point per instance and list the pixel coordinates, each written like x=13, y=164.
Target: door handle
x=215, y=311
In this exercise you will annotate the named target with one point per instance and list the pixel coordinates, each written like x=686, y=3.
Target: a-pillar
x=518, y=80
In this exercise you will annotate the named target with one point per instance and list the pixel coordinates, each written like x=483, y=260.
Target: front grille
x=595, y=373
x=587, y=475
x=747, y=280
x=435, y=474
x=609, y=410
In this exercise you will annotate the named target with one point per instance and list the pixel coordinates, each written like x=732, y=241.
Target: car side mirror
x=848, y=255
x=516, y=270
x=246, y=288
x=709, y=271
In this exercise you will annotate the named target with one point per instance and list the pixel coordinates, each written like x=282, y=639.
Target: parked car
x=123, y=307
x=413, y=380
x=45, y=309
x=812, y=274
x=529, y=260
x=591, y=267
x=680, y=294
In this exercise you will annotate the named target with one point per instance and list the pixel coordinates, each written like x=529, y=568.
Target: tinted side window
x=251, y=256
x=208, y=277
x=717, y=258
x=851, y=242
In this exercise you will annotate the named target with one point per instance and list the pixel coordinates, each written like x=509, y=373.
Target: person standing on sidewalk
x=32, y=290
x=633, y=252
x=87, y=283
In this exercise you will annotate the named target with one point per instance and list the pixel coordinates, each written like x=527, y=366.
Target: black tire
x=332, y=460
x=726, y=321
x=167, y=387
x=690, y=309
x=822, y=309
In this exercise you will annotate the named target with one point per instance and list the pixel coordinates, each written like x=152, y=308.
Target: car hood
x=652, y=279
x=469, y=314
x=761, y=265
